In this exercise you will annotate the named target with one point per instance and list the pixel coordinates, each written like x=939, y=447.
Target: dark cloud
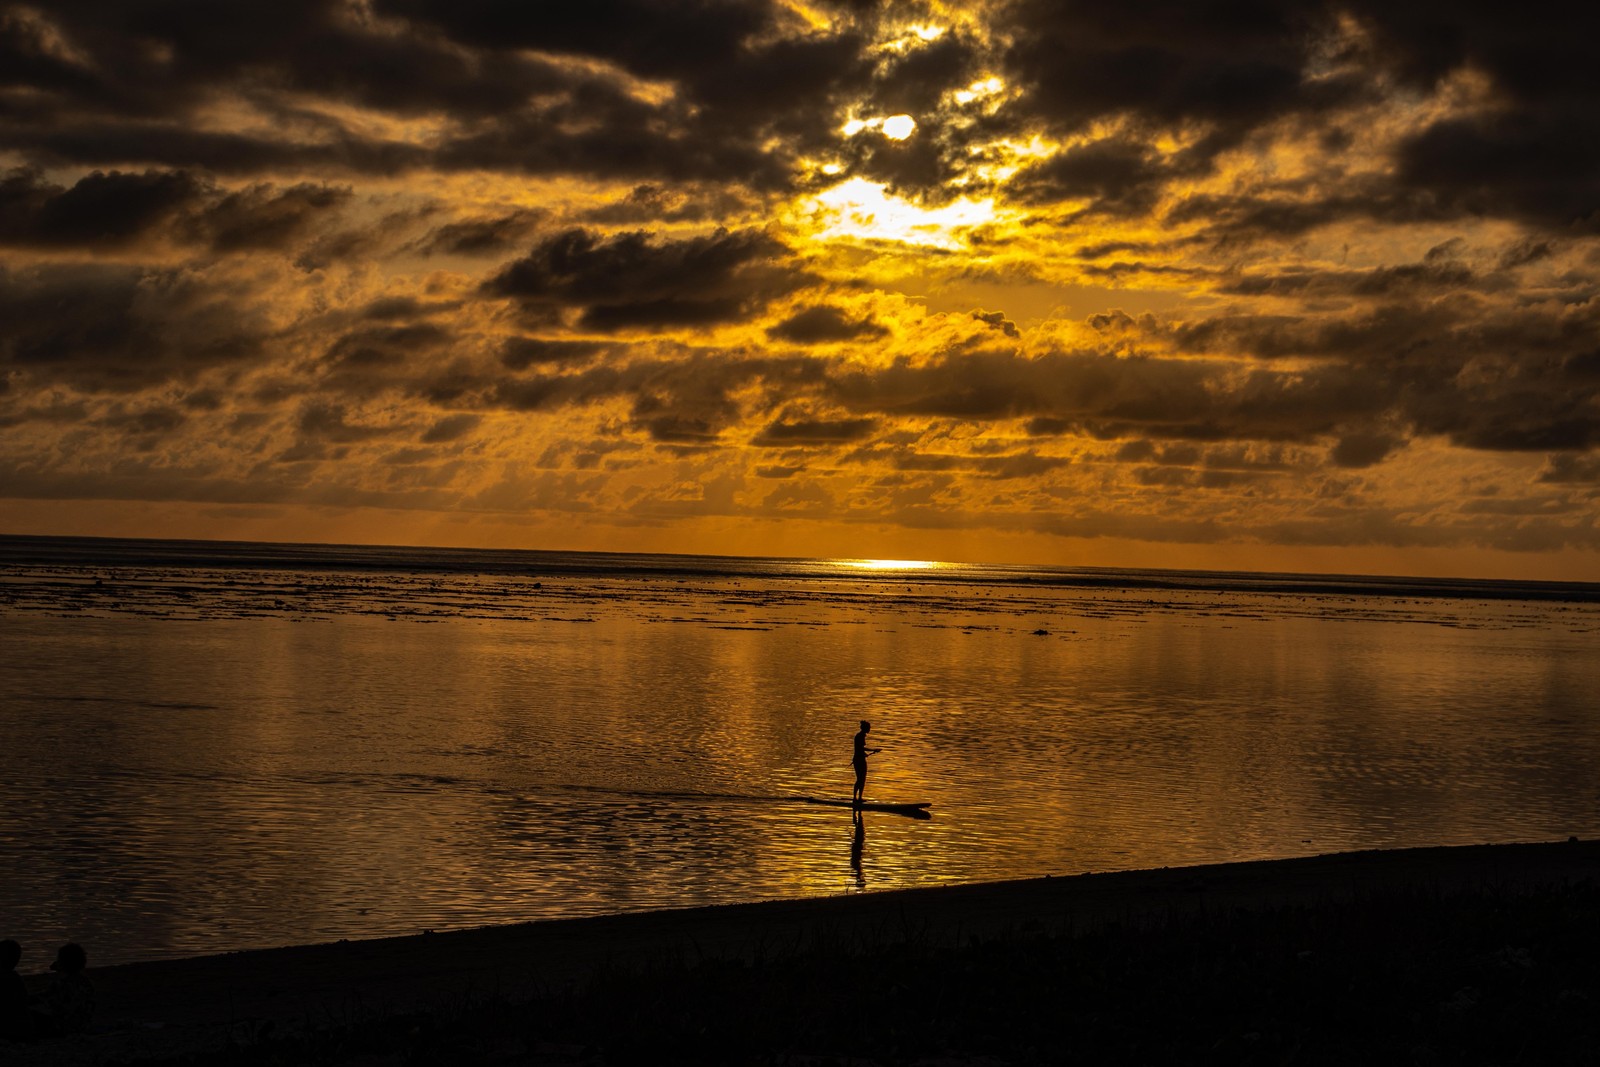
x=100, y=209
x=740, y=92
x=923, y=166
x=1214, y=460
x=1536, y=505
x=264, y=216
x=1109, y=396
x=1119, y=177
x=355, y=243
x=622, y=139
x=653, y=38
x=1357, y=450
x=1018, y=465
x=93, y=141
x=1225, y=73
x=402, y=308
x=742, y=74
x=451, y=428
x=998, y=320
x=116, y=328
x=747, y=99
x=653, y=203
x=1517, y=377
x=480, y=236
x=913, y=82
x=325, y=429
x=158, y=421
x=1289, y=210
x=815, y=432
x=1534, y=154
x=824, y=323
x=1542, y=167
x=1234, y=66
x=30, y=61
x=1184, y=478
x=995, y=467
x=385, y=346
x=1570, y=468
x=107, y=210
x=500, y=80
x=1437, y=273
x=691, y=399
x=148, y=58
x=631, y=281
x=519, y=353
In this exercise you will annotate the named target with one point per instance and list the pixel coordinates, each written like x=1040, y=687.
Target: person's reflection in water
x=858, y=844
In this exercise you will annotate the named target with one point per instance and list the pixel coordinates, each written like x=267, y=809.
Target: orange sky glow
x=1310, y=288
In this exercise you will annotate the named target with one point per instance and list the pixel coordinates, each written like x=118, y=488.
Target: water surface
x=212, y=747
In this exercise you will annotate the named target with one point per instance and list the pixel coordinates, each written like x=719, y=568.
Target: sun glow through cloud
x=863, y=209
x=978, y=90
x=894, y=127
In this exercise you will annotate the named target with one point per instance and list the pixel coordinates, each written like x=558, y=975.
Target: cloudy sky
x=1244, y=285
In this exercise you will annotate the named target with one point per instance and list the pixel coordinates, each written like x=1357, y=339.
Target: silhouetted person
x=67, y=1006
x=14, y=1022
x=859, y=761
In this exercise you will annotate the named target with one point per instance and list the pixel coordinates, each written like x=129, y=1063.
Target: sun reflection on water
x=891, y=564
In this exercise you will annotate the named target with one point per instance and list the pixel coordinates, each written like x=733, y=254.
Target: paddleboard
x=916, y=811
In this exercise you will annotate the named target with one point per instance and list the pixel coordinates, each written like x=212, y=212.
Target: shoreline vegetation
x=1475, y=954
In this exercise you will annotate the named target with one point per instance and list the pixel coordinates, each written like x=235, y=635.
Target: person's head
x=70, y=958
x=865, y=726
x=10, y=953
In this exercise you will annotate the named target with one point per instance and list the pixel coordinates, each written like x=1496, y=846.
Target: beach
x=383, y=1000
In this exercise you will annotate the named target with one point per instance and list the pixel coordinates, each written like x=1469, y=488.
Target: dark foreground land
x=1485, y=954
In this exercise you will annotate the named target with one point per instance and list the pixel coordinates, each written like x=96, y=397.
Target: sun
x=899, y=127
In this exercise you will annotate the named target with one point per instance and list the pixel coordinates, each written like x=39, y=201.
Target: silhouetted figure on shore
x=67, y=1006
x=859, y=761
x=14, y=1023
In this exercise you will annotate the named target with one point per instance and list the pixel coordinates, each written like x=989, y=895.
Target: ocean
x=214, y=746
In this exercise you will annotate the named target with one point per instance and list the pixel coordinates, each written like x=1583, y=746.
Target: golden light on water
x=890, y=564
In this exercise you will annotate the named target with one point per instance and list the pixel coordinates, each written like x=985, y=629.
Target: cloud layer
x=1277, y=274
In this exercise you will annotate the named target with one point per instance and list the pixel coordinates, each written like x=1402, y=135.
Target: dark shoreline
x=950, y=967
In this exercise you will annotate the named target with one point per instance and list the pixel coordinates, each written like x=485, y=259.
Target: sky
x=1248, y=285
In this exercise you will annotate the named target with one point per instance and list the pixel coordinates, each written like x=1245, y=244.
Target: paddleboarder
x=859, y=761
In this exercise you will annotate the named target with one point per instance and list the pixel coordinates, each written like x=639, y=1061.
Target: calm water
x=211, y=747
